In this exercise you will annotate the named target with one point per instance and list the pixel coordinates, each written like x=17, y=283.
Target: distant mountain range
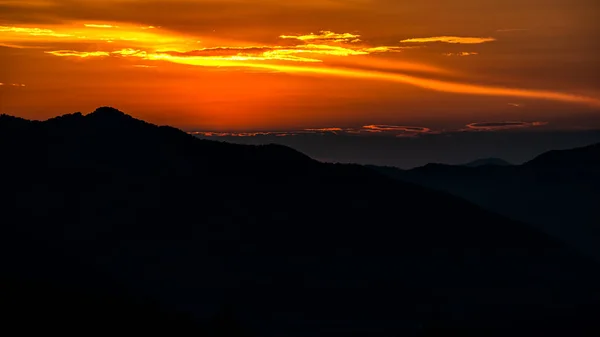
x=581, y=159
x=558, y=191
x=488, y=162
x=283, y=244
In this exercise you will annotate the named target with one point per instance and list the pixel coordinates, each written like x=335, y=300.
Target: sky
x=352, y=67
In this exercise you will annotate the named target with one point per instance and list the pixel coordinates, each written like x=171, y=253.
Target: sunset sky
x=353, y=66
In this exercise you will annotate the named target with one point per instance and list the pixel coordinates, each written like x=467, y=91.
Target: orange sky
x=247, y=65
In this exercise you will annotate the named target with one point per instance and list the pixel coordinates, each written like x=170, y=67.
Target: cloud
x=73, y=53
x=426, y=83
x=325, y=35
x=496, y=126
x=464, y=53
x=386, y=128
x=263, y=53
x=32, y=31
x=331, y=50
x=141, y=42
x=330, y=130
x=83, y=54
x=238, y=55
x=224, y=51
x=516, y=105
x=379, y=130
x=310, y=59
x=92, y=25
x=386, y=49
x=130, y=52
x=12, y=84
x=450, y=39
x=132, y=34
x=251, y=53
x=242, y=134
x=433, y=84
x=397, y=130
x=143, y=66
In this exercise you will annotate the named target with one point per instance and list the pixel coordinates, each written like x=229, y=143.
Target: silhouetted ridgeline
x=488, y=162
x=279, y=243
x=581, y=159
x=558, y=191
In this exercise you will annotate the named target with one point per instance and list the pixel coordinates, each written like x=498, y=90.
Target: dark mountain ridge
x=583, y=158
x=557, y=191
x=488, y=162
x=301, y=248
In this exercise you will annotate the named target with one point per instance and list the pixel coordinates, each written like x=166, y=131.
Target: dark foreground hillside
x=291, y=246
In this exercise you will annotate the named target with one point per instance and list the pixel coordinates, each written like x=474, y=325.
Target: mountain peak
x=110, y=117
x=109, y=112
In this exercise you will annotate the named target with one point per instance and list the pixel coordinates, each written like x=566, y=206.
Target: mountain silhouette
x=275, y=242
x=582, y=159
x=558, y=191
x=488, y=162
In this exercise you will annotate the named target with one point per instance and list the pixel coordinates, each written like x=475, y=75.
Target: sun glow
x=323, y=54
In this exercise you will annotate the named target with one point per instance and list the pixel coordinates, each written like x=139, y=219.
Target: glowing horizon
x=397, y=68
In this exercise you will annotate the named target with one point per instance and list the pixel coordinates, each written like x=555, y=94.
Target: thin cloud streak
x=450, y=39
x=246, y=134
x=73, y=53
x=263, y=53
x=464, y=53
x=325, y=36
x=12, y=84
x=96, y=33
x=92, y=25
x=33, y=31
x=382, y=130
x=332, y=130
x=431, y=84
x=496, y=126
x=395, y=128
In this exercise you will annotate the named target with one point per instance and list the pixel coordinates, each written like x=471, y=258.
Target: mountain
x=488, y=162
x=30, y=304
x=284, y=244
x=581, y=159
x=558, y=191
